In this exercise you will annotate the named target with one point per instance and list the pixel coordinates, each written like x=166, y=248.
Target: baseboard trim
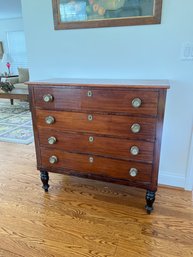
x=171, y=180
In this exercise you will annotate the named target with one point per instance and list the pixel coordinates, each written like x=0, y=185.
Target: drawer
x=90, y=164
x=97, y=145
x=100, y=100
x=114, y=125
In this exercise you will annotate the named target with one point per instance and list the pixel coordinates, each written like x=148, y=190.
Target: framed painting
x=76, y=14
x=1, y=50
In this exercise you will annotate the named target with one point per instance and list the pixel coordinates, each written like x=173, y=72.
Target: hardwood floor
x=80, y=217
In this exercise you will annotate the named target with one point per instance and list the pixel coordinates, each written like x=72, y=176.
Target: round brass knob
x=136, y=102
x=91, y=139
x=134, y=150
x=135, y=128
x=89, y=93
x=91, y=159
x=52, y=140
x=53, y=159
x=48, y=98
x=133, y=172
x=49, y=120
x=90, y=117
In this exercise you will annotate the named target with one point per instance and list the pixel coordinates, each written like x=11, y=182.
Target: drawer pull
x=136, y=103
x=48, y=98
x=134, y=150
x=91, y=139
x=49, y=120
x=133, y=172
x=52, y=140
x=135, y=128
x=53, y=159
x=89, y=93
x=90, y=117
x=91, y=159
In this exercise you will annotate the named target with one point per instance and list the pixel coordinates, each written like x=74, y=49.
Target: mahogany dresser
x=100, y=129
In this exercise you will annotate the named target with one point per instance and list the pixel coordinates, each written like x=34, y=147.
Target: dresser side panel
x=34, y=123
x=159, y=129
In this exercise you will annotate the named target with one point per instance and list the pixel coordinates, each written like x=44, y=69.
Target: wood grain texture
x=112, y=125
x=103, y=146
x=16, y=93
x=103, y=83
x=157, y=147
x=105, y=167
x=86, y=218
x=108, y=100
x=126, y=113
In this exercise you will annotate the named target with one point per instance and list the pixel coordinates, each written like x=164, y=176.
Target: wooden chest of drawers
x=100, y=129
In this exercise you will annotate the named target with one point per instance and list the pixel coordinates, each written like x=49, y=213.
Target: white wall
x=6, y=26
x=151, y=51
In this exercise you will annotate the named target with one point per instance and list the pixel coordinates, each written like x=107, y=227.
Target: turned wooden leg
x=150, y=198
x=44, y=178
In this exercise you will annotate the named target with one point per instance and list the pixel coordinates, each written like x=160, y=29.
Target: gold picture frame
x=79, y=14
x=1, y=50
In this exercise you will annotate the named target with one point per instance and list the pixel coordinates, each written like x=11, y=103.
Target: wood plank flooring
x=80, y=217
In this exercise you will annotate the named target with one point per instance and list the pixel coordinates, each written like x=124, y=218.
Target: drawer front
x=92, y=144
x=119, y=126
x=96, y=165
x=104, y=100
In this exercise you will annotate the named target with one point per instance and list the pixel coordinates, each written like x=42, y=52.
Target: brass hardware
x=48, y=98
x=90, y=117
x=89, y=93
x=133, y=172
x=91, y=159
x=52, y=140
x=134, y=150
x=91, y=139
x=53, y=159
x=49, y=120
x=135, y=128
x=136, y=103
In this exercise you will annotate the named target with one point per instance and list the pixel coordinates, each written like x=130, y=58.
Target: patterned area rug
x=15, y=123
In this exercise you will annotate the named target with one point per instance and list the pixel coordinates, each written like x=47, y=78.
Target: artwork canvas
x=70, y=14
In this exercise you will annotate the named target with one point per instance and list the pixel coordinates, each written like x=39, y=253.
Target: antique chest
x=100, y=129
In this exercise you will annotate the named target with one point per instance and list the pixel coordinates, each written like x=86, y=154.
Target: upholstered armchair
x=18, y=82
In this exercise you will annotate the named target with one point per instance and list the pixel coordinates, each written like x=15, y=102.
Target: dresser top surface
x=103, y=83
